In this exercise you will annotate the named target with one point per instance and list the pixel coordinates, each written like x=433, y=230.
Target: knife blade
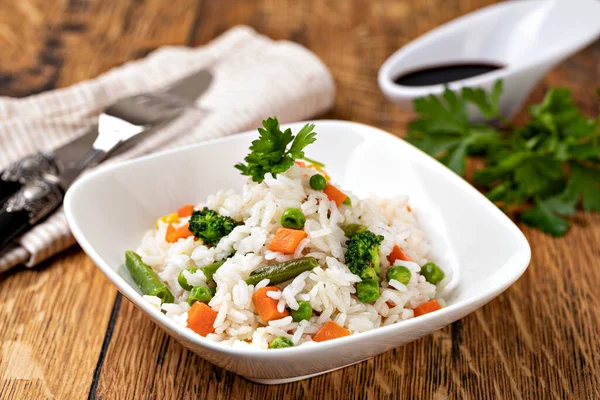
x=43, y=189
x=192, y=86
x=186, y=90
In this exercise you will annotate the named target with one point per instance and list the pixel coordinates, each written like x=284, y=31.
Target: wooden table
x=67, y=334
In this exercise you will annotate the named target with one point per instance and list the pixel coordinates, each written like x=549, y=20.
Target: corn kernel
x=169, y=219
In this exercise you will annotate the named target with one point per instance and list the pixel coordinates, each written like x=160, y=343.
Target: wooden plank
x=53, y=323
x=47, y=44
x=537, y=340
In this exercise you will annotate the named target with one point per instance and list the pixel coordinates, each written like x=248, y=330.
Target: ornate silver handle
x=24, y=170
x=30, y=167
x=38, y=198
x=34, y=201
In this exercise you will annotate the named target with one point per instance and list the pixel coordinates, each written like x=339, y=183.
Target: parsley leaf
x=443, y=129
x=488, y=105
x=270, y=153
x=542, y=169
x=305, y=137
x=544, y=216
x=585, y=180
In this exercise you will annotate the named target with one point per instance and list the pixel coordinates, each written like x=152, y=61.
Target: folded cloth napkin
x=254, y=78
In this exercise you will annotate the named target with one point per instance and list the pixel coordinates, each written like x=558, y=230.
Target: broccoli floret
x=362, y=254
x=209, y=226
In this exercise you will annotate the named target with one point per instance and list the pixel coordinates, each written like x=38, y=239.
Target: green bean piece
x=146, y=279
x=318, y=182
x=210, y=270
x=201, y=294
x=183, y=280
x=351, y=229
x=367, y=290
x=293, y=218
x=399, y=273
x=347, y=201
x=278, y=273
x=313, y=162
x=432, y=273
x=281, y=342
x=304, y=311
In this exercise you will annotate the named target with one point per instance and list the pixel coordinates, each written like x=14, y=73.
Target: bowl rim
x=519, y=265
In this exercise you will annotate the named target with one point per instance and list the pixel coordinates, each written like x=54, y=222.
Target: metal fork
x=45, y=177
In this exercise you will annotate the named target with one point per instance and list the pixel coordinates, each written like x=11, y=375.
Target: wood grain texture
x=53, y=323
x=537, y=340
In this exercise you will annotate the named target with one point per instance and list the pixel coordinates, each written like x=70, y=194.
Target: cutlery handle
x=34, y=201
x=13, y=224
x=7, y=189
x=13, y=178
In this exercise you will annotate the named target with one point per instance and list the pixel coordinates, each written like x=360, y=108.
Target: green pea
x=432, y=273
x=280, y=342
x=201, y=294
x=351, y=229
x=400, y=273
x=304, y=311
x=183, y=280
x=347, y=201
x=293, y=218
x=367, y=290
x=318, y=182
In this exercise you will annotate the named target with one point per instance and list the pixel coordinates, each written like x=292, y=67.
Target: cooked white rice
x=329, y=288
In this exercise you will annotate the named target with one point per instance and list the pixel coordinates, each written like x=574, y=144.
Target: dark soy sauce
x=445, y=73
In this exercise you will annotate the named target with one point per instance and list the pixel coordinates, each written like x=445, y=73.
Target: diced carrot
x=300, y=164
x=426, y=308
x=398, y=254
x=266, y=306
x=169, y=232
x=329, y=331
x=408, y=209
x=286, y=240
x=201, y=318
x=173, y=235
x=185, y=211
x=335, y=194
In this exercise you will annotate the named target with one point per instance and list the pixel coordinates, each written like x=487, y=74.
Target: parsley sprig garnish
x=539, y=171
x=275, y=150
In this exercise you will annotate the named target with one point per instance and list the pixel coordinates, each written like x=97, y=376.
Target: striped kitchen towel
x=254, y=77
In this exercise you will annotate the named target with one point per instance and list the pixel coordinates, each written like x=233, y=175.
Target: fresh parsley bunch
x=275, y=150
x=541, y=170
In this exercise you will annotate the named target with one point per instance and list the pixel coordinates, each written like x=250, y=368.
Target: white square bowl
x=110, y=209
